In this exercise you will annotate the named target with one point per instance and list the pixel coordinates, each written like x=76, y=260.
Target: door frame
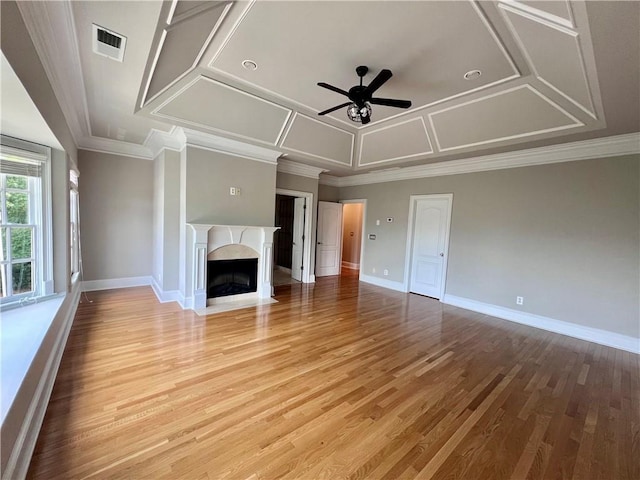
x=307, y=276
x=413, y=201
x=363, y=201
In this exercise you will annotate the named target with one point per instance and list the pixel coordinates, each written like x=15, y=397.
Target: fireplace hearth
x=231, y=277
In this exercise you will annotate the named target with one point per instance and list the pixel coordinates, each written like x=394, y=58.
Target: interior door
x=329, y=247
x=430, y=243
x=298, y=238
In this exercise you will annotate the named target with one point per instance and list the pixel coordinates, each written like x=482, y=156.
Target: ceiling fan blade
x=390, y=102
x=332, y=88
x=333, y=109
x=380, y=79
x=365, y=120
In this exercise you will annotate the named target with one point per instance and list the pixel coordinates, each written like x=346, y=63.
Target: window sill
x=22, y=331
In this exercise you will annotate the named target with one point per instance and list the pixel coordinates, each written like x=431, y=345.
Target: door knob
x=442, y=254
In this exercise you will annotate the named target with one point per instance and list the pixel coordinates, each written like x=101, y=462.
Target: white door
x=298, y=238
x=329, y=247
x=430, y=243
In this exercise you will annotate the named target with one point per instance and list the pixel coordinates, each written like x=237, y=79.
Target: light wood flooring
x=337, y=380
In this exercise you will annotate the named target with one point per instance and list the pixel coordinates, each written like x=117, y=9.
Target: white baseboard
x=595, y=335
x=164, y=297
x=381, y=282
x=110, y=283
x=350, y=266
x=20, y=458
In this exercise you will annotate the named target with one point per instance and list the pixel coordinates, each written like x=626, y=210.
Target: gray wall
x=563, y=236
x=116, y=216
x=327, y=193
x=210, y=175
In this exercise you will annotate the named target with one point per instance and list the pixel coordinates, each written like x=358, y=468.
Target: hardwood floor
x=337, y=380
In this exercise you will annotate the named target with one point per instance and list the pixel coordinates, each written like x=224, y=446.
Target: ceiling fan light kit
x=361, y=97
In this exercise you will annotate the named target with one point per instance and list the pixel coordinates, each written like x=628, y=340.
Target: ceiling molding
x=576, y=122
x=225, y=145
x=115, y=147
x=569, y=23
x=157, y=141
x=300, y=169
x=568, y=152
x=60, y=59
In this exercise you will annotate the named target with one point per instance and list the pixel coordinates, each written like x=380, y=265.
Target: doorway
x=291, y=243
x=352, y=228
x=428, y=244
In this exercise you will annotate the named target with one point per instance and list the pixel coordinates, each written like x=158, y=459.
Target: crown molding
x=226, y=145
x=115, y=147
x=60, y=59
x=294, y=168
x=158, y=141
x=597, y=148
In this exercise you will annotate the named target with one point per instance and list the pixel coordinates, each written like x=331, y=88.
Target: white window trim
x=13, y=148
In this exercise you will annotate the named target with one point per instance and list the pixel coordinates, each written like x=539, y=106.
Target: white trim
x=111, y=283
x=284, y=139
x=350, y=265
x=191, y=83
x=228, y=146
x=164, y=297
x=585, y=108
x=627, y=144
x=20, y=458
x=309, y=229
x=413, y=200
x=595, y=335
x=539, y=16
x=236, y=24
x=577, y=122
x=158, y=141
x=363, y=134
x=115, y=147
x=497, y=39
x=300, y=169
x=381, y=282
x=569, y=23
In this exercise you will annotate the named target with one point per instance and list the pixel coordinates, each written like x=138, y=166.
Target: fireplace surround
x=230, y=242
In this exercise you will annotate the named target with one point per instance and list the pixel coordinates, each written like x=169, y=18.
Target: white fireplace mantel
x=208, y=237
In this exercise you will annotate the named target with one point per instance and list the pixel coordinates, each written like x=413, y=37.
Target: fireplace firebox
x=231, y=277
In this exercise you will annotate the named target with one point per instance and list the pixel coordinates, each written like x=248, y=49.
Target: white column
x=199, y=283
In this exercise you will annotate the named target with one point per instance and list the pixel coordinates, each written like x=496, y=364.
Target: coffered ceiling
x=551, y=72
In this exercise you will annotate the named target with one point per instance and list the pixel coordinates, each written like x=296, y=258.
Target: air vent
x=108, y=43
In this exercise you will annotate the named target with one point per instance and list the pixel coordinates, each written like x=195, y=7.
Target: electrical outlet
x=519, y=300
x=386, y=272
x=233, y=191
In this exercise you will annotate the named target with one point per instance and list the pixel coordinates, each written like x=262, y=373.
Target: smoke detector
x=108, y=43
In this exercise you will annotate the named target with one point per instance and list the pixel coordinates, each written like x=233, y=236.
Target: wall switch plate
x=372, y=236
x=373, y=270
x=386, y=272
x=519, y=300
x=377, y=222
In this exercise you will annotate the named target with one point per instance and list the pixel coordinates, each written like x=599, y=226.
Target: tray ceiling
x=548, y=74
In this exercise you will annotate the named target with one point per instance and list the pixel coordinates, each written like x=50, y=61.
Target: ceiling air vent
x=108, y=43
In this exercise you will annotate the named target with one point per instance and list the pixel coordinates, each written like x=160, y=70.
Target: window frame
x=40, y=217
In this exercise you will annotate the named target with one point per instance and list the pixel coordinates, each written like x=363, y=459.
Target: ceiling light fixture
x=472, y=74
x=250, y=65
x=356, y=113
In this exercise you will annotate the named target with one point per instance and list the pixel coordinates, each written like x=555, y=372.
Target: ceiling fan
x=361, y=97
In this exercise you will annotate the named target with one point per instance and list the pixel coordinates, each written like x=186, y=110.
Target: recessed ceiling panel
x=211, y=105
x=407, y=139
x=552, y=8
x=428, y=46
x=515, y=113
x=555, y=56
x=182, y=47
x=325, y=142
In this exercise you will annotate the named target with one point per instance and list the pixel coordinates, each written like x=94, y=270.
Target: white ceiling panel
x=324, y=142
x=516, y=113
x=564, y=70
x=207, y=104
x=297, y=44
x=400, y=141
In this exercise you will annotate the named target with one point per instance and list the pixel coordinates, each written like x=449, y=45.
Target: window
x=74, y=218
x=24, y=252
